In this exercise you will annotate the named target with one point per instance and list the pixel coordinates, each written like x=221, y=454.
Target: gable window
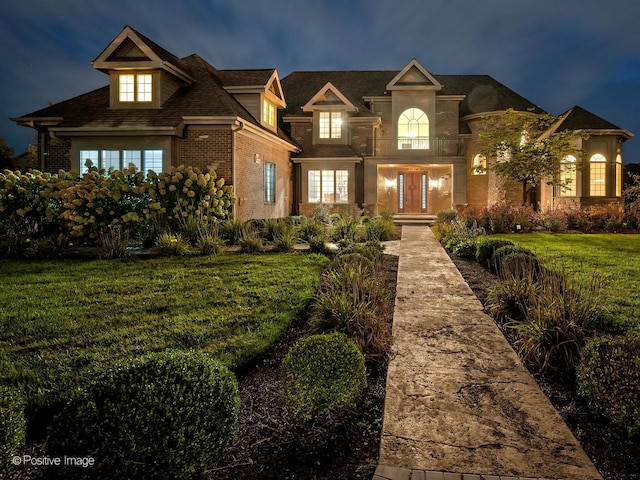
x=597, y=175
x=330, y=125
x=269, y=183
x=268, y=113
x=143, y=160
x=413, y=130
x=568, y=176
x=136, y=88
x=328, y=186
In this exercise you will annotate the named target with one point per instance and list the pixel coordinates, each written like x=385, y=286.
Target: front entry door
x=411, y=192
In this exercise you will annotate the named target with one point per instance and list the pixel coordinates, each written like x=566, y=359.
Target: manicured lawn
x=615, y=256
x=62, y=320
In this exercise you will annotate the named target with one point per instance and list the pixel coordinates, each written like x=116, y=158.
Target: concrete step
x=414, y=219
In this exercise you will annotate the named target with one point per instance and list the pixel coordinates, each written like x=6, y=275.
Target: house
x=403, y=141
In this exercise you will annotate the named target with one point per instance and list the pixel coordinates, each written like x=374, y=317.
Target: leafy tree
x=526, y=148
x=6, y=153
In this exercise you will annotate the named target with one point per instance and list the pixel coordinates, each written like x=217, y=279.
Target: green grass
x=61, y=321
x=615, y=256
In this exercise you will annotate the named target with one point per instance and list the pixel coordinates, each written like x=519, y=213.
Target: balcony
x=428, y=146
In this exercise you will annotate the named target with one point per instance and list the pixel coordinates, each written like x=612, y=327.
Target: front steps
x=414, y=219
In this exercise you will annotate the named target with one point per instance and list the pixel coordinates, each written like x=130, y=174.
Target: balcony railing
x=431, y=146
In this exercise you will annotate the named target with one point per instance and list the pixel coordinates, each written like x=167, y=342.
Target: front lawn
x=62, y=320
x=615, y=256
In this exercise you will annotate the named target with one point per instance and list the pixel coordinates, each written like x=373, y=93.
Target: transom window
x=136, y=87
x=328, y=186
x=597, y=175
x=143, y=160
x=568, y=176
x=269, y=183
x=330, y=125
x=413, y=130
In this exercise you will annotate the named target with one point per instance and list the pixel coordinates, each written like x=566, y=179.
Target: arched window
x=568, y=176
x=479, y=165
x=413, y=130
x=598, y=176
x=618, y=175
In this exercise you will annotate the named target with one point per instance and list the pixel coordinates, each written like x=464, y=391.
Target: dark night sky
x=556, y=53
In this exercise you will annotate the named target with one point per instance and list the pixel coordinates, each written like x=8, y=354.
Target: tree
x=6, y=153
x=526, y=148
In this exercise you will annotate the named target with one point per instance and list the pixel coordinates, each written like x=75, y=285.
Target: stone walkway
x=459, y=404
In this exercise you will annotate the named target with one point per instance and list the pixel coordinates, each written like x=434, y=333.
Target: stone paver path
x=459, y=404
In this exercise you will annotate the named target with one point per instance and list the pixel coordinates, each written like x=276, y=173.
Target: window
x=618, y=175
x=568, y=176
x=597, y=175
x=413, y=130
x=268, y=113
x=479, y=165
x=330, y=125
x=269, y=183
x=136, y=88
x=328, y=186
x=143, y=160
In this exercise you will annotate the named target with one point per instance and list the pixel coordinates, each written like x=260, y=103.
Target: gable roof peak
x=329, y=97
x=414, y=77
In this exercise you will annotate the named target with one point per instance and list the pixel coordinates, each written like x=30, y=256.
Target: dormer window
x=136, y=87
x=330, y=125
x=268, y=113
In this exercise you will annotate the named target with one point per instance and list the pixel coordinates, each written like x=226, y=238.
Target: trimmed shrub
x=322, y=373
x=501, y=252
x=12, y=425
x=486, y=247
x=609, y=376
x=446, y=216
x=379, y=230
x=465, y=248
x=165, y=415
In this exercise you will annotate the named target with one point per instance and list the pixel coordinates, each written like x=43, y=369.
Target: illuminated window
x=269, y=182
x=479, y=165
x=618, y=175
x=127, y=88
x=597, y=176
x=268, y=113
x=568, y=176
x=143, y=160
x=136, y=88
x=413, y=130
x=328, y=186
x=330, y=125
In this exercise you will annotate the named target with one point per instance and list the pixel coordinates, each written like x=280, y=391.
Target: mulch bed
x=615, y=456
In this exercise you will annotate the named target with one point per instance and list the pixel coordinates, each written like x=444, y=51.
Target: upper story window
x=479, y=165
x=136, y=87
x=268, y=113
x=413, y=130
x=330, y=125
x=568, y=176
x=597, y=175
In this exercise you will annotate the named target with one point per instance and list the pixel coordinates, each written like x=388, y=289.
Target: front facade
x=404, y=142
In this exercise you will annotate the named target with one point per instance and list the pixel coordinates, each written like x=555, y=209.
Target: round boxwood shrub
x=609, y=376
x=12, y=425
x=164, y=415
x=321, y=373
x=501, y=252
x=486, y=247
x=446, y=216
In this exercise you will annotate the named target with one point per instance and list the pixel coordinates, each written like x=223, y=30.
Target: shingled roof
x=482, y=92
x=205, y=97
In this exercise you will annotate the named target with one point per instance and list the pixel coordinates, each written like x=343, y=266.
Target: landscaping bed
x=615, y=455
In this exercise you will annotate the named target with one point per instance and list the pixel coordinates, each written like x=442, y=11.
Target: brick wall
x=57, y=154
x=206, y=147
x=447, y=119
x=251, y=154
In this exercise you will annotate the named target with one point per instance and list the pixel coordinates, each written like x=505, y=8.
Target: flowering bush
x=85, y=205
